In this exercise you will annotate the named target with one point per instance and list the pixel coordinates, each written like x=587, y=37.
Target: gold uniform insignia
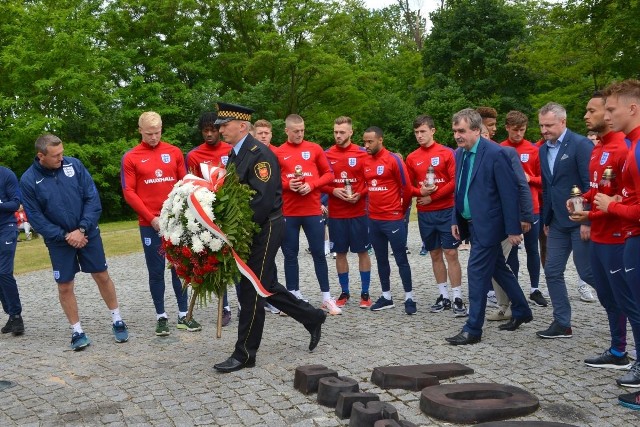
x=263, y=171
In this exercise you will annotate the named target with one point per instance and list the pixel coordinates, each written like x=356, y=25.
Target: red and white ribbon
x=214, y=179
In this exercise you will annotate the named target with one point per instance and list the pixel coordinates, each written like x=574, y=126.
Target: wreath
x=206, y=226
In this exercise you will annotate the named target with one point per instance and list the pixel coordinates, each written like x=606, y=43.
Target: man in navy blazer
x=564, y=160
x=488, y=211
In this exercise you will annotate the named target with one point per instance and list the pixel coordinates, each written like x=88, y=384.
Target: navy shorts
x=67, y=260
x=349, y=234
x=435, y=229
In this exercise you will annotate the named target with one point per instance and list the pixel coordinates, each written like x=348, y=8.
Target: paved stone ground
x=171, y=381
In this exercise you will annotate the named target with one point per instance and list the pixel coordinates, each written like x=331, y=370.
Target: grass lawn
x=119, y=238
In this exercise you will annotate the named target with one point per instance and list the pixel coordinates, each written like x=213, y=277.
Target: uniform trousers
x=261, y=261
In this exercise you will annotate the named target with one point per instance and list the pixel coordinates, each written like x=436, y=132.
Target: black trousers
x=264, y=248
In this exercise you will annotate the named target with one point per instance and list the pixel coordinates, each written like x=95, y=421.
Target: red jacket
x=347, y=163
x=389, y=186
x=610, y=151
x=315, y=169
x=530, y=160
x=629, y=207
x=148, y=175
x=444, y=164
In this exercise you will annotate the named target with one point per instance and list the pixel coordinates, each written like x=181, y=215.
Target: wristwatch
x=82, y=230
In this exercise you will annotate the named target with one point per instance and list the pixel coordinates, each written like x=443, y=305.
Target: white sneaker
x=492, y=301
x=29, y=236
x=585, y=293
x=272, y=309
x=331, y=307
x=501, y=313
x=299, y=295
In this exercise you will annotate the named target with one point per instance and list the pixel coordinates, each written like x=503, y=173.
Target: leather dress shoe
x=316, y=332
x=463, y=338
x=231, y=365
x=514, y=323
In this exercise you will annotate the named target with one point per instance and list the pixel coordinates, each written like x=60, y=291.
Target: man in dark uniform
x=258, y=167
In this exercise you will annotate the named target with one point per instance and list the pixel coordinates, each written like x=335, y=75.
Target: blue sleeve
x=48, y=230
x=524, y=193
x=583, y=158
x=11, y=200
x=507, y=184
x=92, y=207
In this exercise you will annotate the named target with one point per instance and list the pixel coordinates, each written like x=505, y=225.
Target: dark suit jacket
x=492, y=193
x=571, y=168
x=258, y=167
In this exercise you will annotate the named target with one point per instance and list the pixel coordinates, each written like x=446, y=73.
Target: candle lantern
x=576, y=199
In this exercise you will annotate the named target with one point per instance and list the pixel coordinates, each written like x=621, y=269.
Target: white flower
x=206, y=236
x=196, y=244
x=215, y=244
x=175, y=238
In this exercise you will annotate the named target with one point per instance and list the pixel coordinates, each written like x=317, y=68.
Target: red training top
x=530, y=160
x=389, y=186
x=629, y=207
x=315, y=169
x=148, y=175
x=215, y=155
x=347, y=163
x=610, y=151
x=444, y=164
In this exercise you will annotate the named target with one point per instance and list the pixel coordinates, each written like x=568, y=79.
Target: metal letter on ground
x=476, y=402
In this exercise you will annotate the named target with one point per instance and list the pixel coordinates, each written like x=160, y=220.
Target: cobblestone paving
x=154, y=381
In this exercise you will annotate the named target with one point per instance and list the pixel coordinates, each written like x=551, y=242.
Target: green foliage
x=103, y=161
x=234, y=217
x=470, y=43
x=86, y=69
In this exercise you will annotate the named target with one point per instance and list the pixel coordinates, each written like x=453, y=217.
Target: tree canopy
x=86, y=69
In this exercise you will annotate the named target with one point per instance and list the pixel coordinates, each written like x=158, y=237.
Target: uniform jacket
x=571, y=168
x=493, y=195
x=58, y=201
x=257, y=166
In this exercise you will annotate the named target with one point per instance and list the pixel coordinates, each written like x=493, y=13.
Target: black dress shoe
x=463, y=338
x=315, y=336
x=514, y=323
x=231, y=365
x=316, y=331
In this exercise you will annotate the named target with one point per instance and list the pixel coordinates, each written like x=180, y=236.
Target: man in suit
x=564, y=161
x=487, y=210
x=257, y=166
